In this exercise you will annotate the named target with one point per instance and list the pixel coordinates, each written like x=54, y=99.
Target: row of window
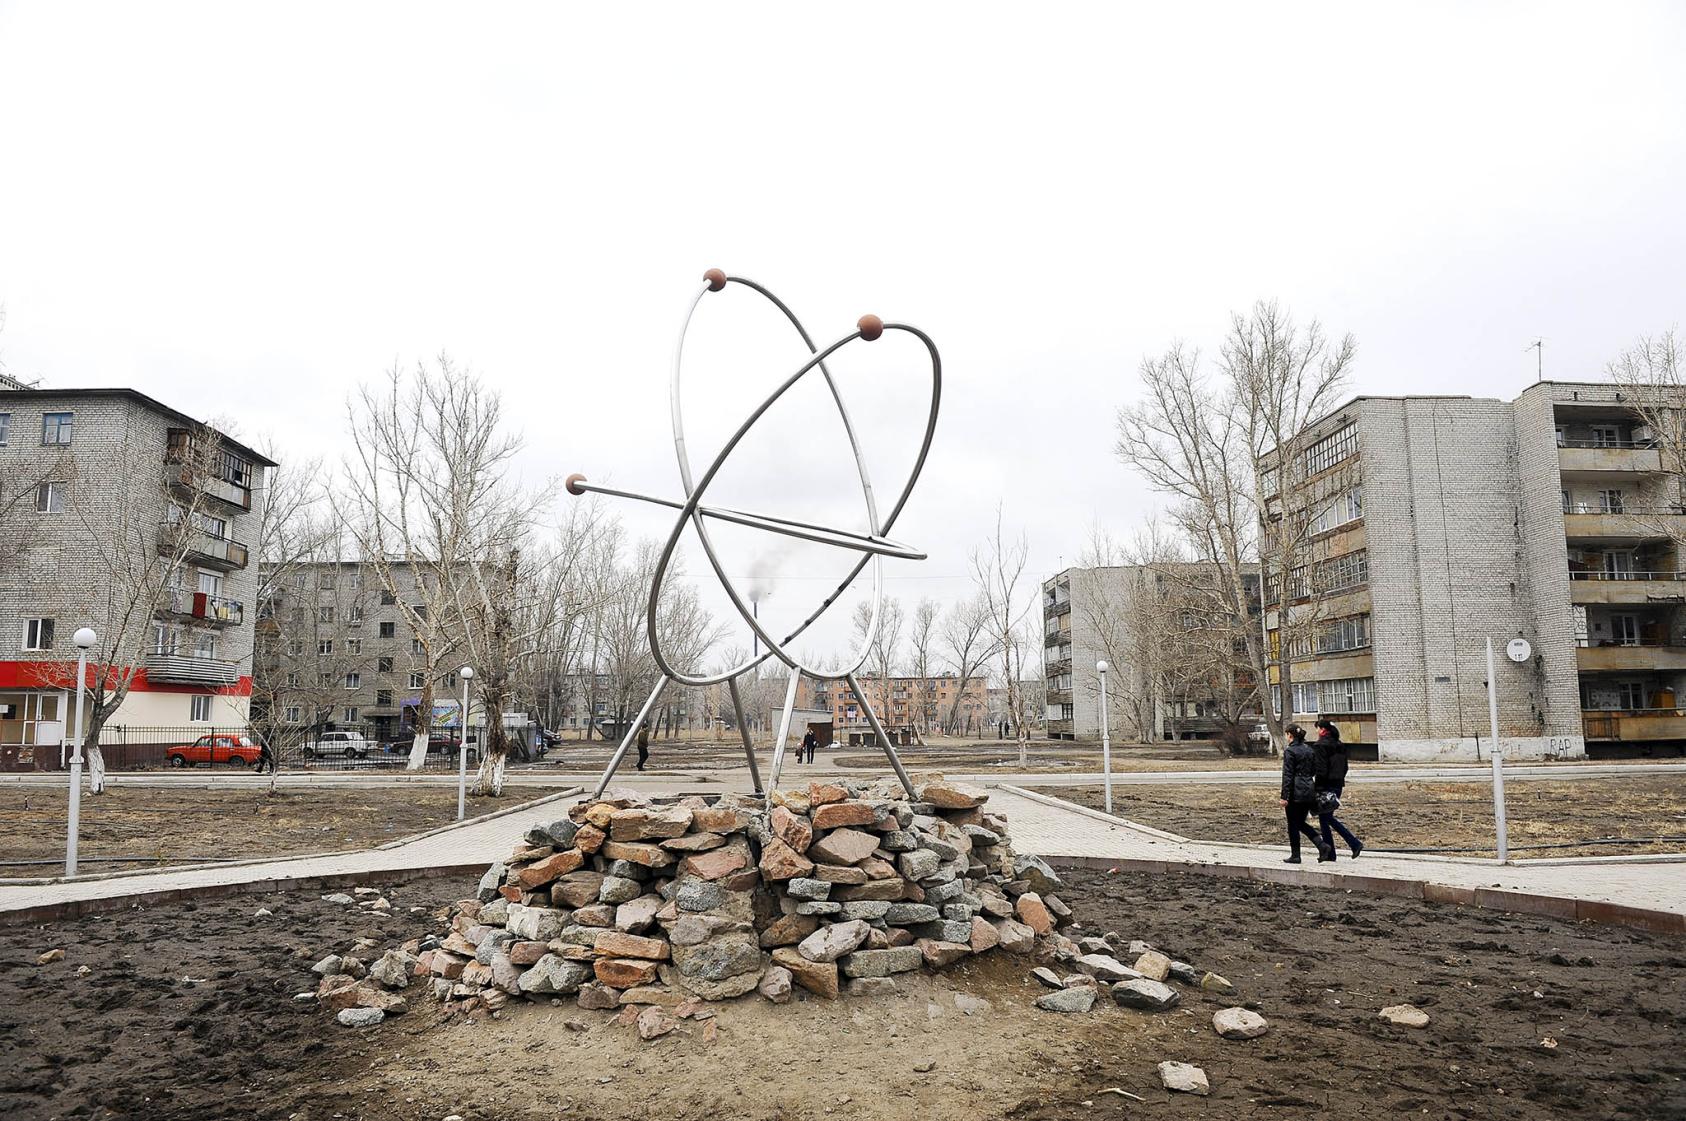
x=1337, y=574
x=354, y=680
x=293, y=714
x=1343, y=508
x=1331, y=449
x=55, y=428
x=325, y=647
x=1343, y=695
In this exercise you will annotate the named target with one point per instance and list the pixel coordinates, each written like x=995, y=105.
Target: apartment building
x=1446, y=521
x=1175, y=672
x=336, y=650
x=127, y=516
x=937, y=702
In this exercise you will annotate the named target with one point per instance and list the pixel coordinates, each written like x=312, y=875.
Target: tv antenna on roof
x=1538, y=347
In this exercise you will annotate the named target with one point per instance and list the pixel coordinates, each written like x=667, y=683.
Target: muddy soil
x=161, y=825
x=186, y=1011
x=1546, y=818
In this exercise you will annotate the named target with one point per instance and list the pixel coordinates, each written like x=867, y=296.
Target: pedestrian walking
x=1330, y=781
x=806, y=748
x=1299, y=792
x=266, y=756
x=643, y=747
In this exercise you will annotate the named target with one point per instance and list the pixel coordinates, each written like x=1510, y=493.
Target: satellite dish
x=1518, y=650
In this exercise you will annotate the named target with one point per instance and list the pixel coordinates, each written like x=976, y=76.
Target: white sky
x=246, y=210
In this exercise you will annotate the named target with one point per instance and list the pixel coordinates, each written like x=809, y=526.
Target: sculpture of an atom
x=872, y=546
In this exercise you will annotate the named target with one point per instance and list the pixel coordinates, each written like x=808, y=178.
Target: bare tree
x=1652, y=374
x=882, y=654
x=968, y=646
x=922, y=637
x=1227, y=449
x=998, y=572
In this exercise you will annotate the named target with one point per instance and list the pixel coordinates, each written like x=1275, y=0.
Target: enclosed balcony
x=190, y=669
x=216, y=473
x=202, y=547
x=1589, y=524
x=1634, y=725
x=203, y=606
x=1608, y=457
x=1632, y=657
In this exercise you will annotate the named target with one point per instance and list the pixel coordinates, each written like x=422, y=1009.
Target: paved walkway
x=1040, y=824
x=1065, y=830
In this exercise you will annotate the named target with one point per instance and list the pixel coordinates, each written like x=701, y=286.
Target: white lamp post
x=84, y=639
x=467, y=675
x=1499, y=826
x=1106, y=740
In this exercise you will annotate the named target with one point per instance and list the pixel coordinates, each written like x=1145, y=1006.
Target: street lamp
x=84, y=639
x=467, y=675
x=1106, y=739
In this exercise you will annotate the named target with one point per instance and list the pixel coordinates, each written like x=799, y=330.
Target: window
x=49, y=498
x=383, y=697
x=199, y=709
x=38, y=634
x=324, y=614
x=1331, y=449
x=204, y=645
x=292, y=714
x=1630, y=694
x=295, y=648
x=55, y=428
x=234, y=469
x=293, y=680
x=1610, y=501
x=5, y=428
x=1348, y=694
x=325, y=579
x=1562, y=436
x=325, y=647
x=299, y=579
x=210, y=583
x=421, y=610
x=354, y=580
x=389, y=630
x=1346, y=571
x=1606, y=436
x=384, y=665
x=1568, y=503
x=388, y=599
x=354, y=614
x=353, y=646
x=1344, y=508
x=1352, y=633
x=350, y=715
x=353, y=681
x=417, y=680
x=416, y=646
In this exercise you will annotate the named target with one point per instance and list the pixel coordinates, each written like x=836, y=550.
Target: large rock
x=1042, y=878
x=1105, y=967
x=718, y=863
x=1238, y=1023
x=534, y=924
x=793, y=829
x=843, y=846
x=617, y=889
x=869, y=909
x=803, y=887
x=906, y=914
x=360, y=1017
x=491, y=881
x=781, y=862
x=822, y=793
x=719, y=958
x=550, y=868
x=787, y=930
x=1153, y=965
x=842, y=874
x=624, y=973
x=953, y=795
x=655, y=1022
x=1015, y=937
x=649, y=824
x=939, y=954
x=638, y=915
x=1184, y=1078
x=838, y=814
x=1033, y=913
x=719, y=819
x=829, y=943
x=775, y=984
x=638, y=852
x=577, y=889
x=1067, y=1000
x=818, y=977
x=699, y=895
x=882, y=963
x=919, y=863
x=887, y=890
x=984, y=936
x=694, y=842
x=1151, y=996
x=554, y=974
x=618, y=944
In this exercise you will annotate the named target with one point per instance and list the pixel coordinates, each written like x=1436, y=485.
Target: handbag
x=1328, y=801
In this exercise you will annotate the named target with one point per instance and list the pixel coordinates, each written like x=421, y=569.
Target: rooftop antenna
x=1538, y=347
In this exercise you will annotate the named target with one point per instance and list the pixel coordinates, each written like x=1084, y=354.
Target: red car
x=239, y=751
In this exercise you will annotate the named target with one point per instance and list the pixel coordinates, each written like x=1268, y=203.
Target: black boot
x=1295, y=859
x=1324, y=856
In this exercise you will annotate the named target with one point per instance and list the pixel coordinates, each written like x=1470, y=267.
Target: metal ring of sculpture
x=873, y=545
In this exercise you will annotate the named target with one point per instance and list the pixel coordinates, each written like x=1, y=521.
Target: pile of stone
x=1096, y=963
x=670, y=901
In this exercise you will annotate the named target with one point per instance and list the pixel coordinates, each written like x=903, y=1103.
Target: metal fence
x=217, y=749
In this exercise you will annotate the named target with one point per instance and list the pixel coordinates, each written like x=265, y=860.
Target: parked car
x=350, y=745
x=437, y=744
x=236, y=750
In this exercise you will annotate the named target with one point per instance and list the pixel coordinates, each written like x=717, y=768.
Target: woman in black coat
x=1299, y=793
x=1330, y=780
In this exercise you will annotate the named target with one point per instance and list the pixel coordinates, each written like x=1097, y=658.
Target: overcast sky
x=244, y=211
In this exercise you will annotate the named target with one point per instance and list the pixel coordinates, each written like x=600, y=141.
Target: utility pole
x=1538, y=347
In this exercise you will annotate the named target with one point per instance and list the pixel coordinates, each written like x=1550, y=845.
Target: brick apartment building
x=93, y=479
x=1552, y=518
x=936, y=702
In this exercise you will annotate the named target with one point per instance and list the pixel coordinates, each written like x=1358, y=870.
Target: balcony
x=1625, y=524
x=202, y=548
x=1620, y=458
x=231, y=494
x=1059, y=696
x=1055, y=608
x=202, y=606
x=1636, y=656
x=188, y=669
x=1660, y=586
x=1634, y=725
x=220, y=475
x=1056, y=667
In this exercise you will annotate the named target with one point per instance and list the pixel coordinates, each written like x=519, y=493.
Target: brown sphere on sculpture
x=870, y=327
x=716, y=279
x=572, y=483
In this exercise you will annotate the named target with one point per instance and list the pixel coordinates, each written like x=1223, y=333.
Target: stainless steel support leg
x=631, y=733
x=883, y=736
x=743, y=730
x=784, y=728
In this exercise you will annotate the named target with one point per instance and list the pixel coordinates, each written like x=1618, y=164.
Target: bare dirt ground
x=186, y=1012
x=159, y=825
x=1427, y=815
